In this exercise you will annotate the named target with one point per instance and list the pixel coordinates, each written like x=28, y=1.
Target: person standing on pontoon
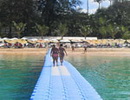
x=54, y=54
x=62, y=52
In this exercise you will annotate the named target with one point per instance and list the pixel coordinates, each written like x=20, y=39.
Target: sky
x=93, y=6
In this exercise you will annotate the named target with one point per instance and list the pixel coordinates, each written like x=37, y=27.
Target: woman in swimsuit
x=62, y=52
x=54, y=54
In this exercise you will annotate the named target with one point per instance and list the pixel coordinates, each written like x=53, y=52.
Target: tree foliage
x=85, y=30
x=62, y=30
x=111, y=22
x=19, y=27
x=41, y=29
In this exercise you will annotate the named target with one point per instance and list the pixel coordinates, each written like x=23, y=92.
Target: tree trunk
x=88, y=6
x=10, y=31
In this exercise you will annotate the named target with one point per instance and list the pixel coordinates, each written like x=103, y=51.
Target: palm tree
x=99, y=2
x=125, y=32
x=88, y=6
x=42, y=29
x=110, y=2
x=85, y=30
x=19, y=27
x=102, y=21
x=103, y=31
x=0, y=28
x=62, y=30
x=112, y=30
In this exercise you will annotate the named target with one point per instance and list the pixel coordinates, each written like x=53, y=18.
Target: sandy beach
x=77, y=51
x=23, y=51
x=101, y=51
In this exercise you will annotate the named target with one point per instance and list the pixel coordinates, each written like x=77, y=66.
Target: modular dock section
x=62, y=83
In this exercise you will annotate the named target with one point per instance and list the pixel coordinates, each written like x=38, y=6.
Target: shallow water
x=110, y=76
x=18, y=75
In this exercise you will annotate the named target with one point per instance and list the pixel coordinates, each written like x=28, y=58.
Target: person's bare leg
x=57, y=61
x=53, y=62
x=61, y=60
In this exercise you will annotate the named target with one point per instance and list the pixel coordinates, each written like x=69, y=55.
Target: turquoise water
x=110, y=76
x=18, y=75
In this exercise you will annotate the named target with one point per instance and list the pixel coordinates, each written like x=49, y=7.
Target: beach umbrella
x=30, y=41
x=65, y=41
x=46, y=40
x=24, y=38
x=54, y=40
x=128, y=41
x=34, y=39
x=13, y=38
x=5, y=38
x=22, y=41
x=41, y=41
x=10, y=41
x=1, y=39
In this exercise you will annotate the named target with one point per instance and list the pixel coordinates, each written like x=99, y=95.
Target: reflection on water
x=110, y=76
x=18, y=75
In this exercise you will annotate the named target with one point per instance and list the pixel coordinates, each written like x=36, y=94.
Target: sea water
x=18, y=75
x=109, y=75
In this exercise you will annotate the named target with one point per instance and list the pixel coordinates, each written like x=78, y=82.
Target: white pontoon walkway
x=62, y=83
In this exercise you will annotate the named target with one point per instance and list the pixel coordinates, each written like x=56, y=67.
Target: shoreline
x=23, y=51
x=101, y=52
x=77, y=51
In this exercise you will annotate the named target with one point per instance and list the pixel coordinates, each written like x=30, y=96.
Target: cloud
x=105, y=4
x=92, y=11
x=93, y=6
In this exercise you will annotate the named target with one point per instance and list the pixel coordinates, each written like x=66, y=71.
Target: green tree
x=0, y=29
x=126, y=36
x=103, y=31
x=18, y=11
x=56, y=10
x=62, y=30
x=99, y=2
x=112, y=30
x=19, y=27
x=41, y=29
x=103, y=27
x=85, y=30
x=124, y=31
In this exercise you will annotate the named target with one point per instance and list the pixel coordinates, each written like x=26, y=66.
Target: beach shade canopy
x=54, y=40
x=1, y=39
x=88, y=41
x=13, y=38
x=31, y=41
x=41, y=41
x=22, y=41
x=34, y=39
x=24, y=38
x=104, y=41
x=120, y=41
x=75, y=41
x=127, y=41
x=5, y=38
x=10, y=41
x=65, y=41
x=46, y=40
